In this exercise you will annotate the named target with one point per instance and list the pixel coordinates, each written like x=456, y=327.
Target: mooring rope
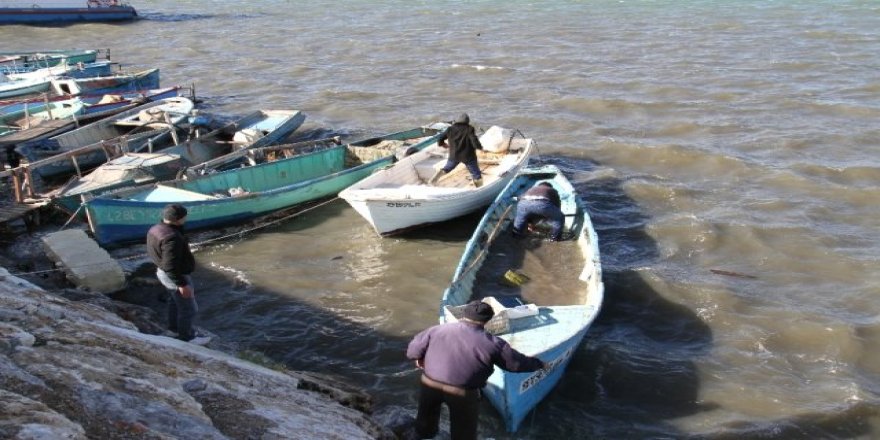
x=196, y=246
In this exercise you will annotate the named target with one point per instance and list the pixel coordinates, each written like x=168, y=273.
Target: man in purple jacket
x=457, y=358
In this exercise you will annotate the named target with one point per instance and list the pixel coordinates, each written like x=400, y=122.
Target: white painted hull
x=398, y=199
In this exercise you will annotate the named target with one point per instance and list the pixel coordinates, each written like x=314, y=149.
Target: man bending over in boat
x=457, y=358
x=539, y=203
x=463, y=146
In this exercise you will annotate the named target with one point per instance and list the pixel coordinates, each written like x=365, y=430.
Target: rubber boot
x=440, y=173
x=478, y=183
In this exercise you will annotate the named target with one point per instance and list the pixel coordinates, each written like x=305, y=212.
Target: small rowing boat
x=546, y=314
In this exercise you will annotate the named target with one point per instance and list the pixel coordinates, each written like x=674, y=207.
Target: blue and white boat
x=546, y=317
x=64, y=11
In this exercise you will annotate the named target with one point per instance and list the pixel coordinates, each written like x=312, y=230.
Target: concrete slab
x=85, y=263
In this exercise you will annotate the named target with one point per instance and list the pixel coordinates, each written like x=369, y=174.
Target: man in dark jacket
x=169, y=250
x=463, y=146
x=539, y=203
x=457, y=358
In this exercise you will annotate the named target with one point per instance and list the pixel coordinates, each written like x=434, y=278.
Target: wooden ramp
x=12, y=211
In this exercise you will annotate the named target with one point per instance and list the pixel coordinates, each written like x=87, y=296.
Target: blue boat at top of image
x=64, y=11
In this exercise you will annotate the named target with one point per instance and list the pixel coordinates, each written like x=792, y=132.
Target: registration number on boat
x=403, y=204
x=541, y=374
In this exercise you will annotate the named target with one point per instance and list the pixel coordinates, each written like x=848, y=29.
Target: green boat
x=272, y=181
x=33, y=114
x=255, y=130
x=17, y=61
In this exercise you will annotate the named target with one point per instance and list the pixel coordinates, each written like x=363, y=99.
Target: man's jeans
x=473, y=168
x=181, y=311
x=533, y=211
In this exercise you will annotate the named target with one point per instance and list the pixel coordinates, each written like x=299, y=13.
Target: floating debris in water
x=732, y=274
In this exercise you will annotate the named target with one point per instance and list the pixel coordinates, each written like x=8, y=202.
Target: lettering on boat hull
x=539, y=375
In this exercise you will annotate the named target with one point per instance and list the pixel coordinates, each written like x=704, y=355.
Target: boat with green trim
x=278, y=177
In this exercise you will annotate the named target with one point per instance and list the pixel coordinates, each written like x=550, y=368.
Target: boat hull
x=276, y=124
x=66, y=15
x=398, y=199
x=279, y=185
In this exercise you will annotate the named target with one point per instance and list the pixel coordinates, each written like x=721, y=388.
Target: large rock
x=72, y=369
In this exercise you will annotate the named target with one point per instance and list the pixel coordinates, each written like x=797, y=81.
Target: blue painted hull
x=283, y=184
x=554, y=333
x=66, y=15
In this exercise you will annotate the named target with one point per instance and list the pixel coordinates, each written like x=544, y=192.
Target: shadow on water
x=855, y=422
x=634, y=372
x=172, y=18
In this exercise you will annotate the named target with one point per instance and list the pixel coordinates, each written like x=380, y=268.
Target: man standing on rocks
x=169, y=250
x=457, y=359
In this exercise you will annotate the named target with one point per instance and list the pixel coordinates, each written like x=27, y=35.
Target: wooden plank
x=45, y=128
x=13, y=211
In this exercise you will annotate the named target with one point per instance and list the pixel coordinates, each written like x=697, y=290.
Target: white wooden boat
x=548, y=316
x=400, y=198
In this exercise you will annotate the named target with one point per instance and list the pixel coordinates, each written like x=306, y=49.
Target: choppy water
x=709, y=138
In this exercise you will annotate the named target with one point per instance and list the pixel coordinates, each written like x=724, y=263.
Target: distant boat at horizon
x=64, y=11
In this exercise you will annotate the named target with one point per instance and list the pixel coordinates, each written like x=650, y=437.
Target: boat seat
x=171, y=194
x=509, y=314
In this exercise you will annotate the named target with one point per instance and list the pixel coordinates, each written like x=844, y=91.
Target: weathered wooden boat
x=64, y=11
x=32, y=115
x=258, y=129
x=400, y=198
x=147, y=126
x=548, y=316
x=95, y=103
x=266, y=186
x=118, y=83
x=93, y=109
x=48, y=58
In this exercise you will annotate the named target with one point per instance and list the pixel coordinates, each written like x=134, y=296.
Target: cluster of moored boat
x=156, y=150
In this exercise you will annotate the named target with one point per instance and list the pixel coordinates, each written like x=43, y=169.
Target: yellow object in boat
x=516, y=278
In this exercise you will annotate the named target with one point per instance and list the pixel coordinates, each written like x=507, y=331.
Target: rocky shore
x=77, y=365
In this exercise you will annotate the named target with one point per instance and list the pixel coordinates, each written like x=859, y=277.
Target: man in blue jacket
x=457, y=358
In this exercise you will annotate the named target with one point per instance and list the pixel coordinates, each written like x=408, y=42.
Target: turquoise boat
x=10, y=88
x=546, y=317
x=47, y=58
x=242, y=193
x=27, y=116
x=98, y=68
x=255, y=130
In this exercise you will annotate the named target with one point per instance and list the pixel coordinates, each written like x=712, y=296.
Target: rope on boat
x=492, y=235
x=261, y=226
x=196, y=246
